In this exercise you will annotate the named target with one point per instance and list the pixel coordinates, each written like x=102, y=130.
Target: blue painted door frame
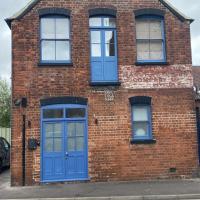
x=67, y=161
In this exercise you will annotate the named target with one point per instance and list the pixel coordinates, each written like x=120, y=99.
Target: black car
x=4, y=153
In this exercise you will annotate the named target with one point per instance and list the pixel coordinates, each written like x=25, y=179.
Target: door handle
x=66, y=155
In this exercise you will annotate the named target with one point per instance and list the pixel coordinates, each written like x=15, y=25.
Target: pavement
x=140, y=190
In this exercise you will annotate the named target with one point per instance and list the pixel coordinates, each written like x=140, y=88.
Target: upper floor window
x=150, y=38
x=55, y=39
x=103, y=42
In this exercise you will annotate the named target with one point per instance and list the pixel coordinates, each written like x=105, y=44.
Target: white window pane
x=155, y=29
x=156, y=50
x=71, y=129
x=109, y=37
x=143, y=51
x=49, y=144
x=141, y=129
x=95, y=37
x=109, y=22
x=48, y=130
x=140, y=113
x=96, y=50
x=95, y=21
x=80, y=143
x=57, y=130
x=71, y=144
x=142, y=29
x=48, y=28
x=79, y=129
x=62, y=28
x=48, y=50
x=57, y=145
x=62, y=50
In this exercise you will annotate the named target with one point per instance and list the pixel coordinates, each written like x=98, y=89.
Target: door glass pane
x=110, y=22
x=110, y=43
x=79, y=129
x=62, y=50
x=143, y=50
x=48, y=130
x=141, y=129
x=80, y=143
x=48, y=50
x=110, y=49
x=71, y=129
x=140, y=113
x=58, y=130
x=95, y=37
x=75, y=112
x=109, y=37
x=62, y=28
x=95, y=21
x=49, y=145
x=57, y=144
x=155, y=29
x=142, y=29
x=156, y=50
x=96, y=50
x=47, y=28
x=53, y=113
x=71, y=144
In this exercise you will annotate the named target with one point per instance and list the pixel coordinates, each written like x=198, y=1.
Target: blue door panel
x=59, y=166
x=97, y=71
x=48, y=167
x=110, y=71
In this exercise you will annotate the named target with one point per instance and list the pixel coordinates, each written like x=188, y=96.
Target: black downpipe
x=23, y=150
x=198, y=129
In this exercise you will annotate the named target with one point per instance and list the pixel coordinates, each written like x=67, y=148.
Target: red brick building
x=102, y=90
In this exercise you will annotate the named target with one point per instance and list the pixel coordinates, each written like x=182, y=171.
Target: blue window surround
x=164, y=60
x=114, y=81
x=55, y=62
x=64, y=107
x=142, y=101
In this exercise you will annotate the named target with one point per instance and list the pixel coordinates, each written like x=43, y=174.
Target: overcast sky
x=8, y=7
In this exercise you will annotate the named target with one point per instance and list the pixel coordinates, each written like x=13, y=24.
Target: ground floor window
x=141, y=118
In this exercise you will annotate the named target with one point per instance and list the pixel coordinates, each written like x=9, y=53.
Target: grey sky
x=7, y=8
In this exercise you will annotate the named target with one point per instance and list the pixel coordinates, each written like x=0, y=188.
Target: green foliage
x=5, y=103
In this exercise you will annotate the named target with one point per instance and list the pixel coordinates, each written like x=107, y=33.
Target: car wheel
x=1, y=165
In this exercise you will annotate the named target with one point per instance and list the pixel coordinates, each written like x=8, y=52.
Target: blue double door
x=64, y=156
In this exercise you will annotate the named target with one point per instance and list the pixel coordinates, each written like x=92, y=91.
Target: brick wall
x=111, y=157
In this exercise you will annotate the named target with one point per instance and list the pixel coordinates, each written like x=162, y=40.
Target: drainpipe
x=24, y=150
x=22, y=103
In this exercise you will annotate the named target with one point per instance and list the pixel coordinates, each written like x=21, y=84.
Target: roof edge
x=32, y=3
x=176, y=12
x=21, y=12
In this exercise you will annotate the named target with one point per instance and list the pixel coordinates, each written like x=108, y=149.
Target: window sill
x=55, y=64
x=151, y=63
x=105, y=83
x=143, y=141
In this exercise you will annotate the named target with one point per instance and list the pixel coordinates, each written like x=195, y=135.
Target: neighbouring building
x=101, y=91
